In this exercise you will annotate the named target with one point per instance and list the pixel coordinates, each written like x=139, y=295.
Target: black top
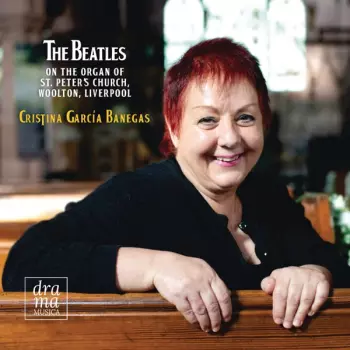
x=156, y=207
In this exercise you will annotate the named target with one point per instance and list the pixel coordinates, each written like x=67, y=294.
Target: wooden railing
x=147, y=321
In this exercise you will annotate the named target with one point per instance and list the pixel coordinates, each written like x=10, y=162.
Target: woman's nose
x=228, y=135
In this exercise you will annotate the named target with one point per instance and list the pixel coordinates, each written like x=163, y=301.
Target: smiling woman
x=201, y=222
x=229, y=134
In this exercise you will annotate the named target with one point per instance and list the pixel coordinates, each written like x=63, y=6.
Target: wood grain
x=147, y=321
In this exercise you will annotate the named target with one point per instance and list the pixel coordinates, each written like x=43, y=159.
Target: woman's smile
x=229, y=161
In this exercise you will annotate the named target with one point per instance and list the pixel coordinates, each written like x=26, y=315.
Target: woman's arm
x=80, y=243
x=136, y=268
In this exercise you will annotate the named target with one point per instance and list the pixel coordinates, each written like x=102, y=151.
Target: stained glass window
x=244, y=22
x=287, y=50
x=273, y=30
x=183, y=27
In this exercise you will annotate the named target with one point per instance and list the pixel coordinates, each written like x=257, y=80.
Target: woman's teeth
x=228, y=159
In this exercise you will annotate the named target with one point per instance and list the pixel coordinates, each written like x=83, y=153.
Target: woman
x=200, y=223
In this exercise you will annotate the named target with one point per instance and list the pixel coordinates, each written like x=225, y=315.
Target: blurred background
x=303, y=47
x=304, y=51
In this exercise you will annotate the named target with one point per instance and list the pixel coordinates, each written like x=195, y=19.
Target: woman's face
x=221, y=136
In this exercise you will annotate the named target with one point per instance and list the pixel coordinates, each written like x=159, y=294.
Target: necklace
x=242, y=225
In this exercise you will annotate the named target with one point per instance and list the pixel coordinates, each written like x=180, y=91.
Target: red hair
x=221, y=59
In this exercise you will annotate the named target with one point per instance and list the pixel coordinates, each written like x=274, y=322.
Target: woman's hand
x=297, y=292
x=194, y=288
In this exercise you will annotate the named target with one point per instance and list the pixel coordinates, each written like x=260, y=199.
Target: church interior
x=304, y=51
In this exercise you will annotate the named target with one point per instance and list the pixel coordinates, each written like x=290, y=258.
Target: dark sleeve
x=80, y=243
x=302, y=244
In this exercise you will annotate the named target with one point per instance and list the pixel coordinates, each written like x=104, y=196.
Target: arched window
x=183, y=27
x=287, y=49
x=244, y=22
x=273, y=30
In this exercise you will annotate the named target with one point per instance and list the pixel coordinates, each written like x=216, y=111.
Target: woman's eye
x=207, y=120
x=246, y=118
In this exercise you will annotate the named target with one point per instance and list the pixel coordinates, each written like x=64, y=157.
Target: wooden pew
x=318, y=211
x=49, y=188
x=147, y=321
